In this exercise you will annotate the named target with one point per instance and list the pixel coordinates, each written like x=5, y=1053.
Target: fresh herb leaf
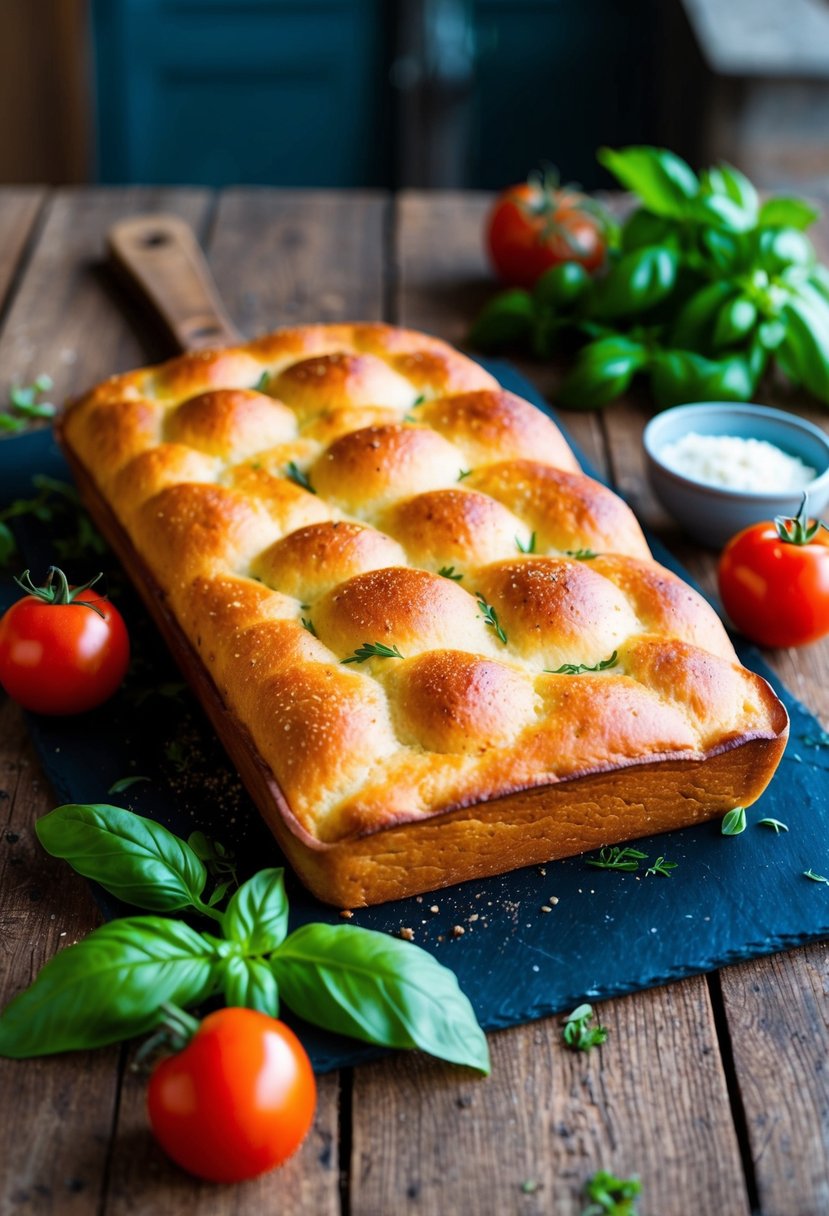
x=419, y=399
x=616, y=858
x=133, y=858
x=464, y=473
x=308, y=624
x=815, y=877
x=579, y=1034
x=262, y=382
x=109, y=987
x=581, y=555
x=491, y=617
x=734, y=822
x=373, y=650
x=125, y=783
x=661, y=866
x=257, y=915
x=249, y=983
x=23, y=400
x=507, y=320
x=611, y=1196
x=576, y=669
x=776, y=826
x=449, y=572
x=295, y=474
x=379, y=989
x=219, y=860
x=530, y=545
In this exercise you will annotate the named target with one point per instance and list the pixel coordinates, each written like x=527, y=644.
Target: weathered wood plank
x=430, y=1139
x=425, y=1137
x=279, y=258
x=56, y=1132
x=19, y=209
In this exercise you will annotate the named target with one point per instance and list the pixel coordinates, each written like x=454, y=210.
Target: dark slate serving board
x=608, y=933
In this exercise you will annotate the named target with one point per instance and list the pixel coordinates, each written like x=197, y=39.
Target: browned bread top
x=395, y=573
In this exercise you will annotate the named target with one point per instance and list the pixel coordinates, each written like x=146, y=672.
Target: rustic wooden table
x=714, y=1090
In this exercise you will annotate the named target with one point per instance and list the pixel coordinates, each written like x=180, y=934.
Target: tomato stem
x=56, y=589
x=798, y=529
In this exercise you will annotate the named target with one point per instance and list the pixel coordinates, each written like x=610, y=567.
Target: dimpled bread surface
x=334, y=493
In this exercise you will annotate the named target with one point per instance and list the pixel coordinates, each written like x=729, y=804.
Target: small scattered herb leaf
x=579, y=1034
x=775, y=824
x=661, y=866
x=308, y=624
x=294, y=473
x=261, y=382
x=581, y=555
x=449, y=572
x=616, y=858
x=124, y=783
x=734, y=822
x=815, y=877
x=530, y=545
x=611, y=1196
x=576, y=669
x=373, y=650
x=491, y=617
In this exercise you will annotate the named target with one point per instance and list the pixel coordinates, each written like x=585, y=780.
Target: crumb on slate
x=407, y=934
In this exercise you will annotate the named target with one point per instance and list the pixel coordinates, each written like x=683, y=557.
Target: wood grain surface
x=714, y=1090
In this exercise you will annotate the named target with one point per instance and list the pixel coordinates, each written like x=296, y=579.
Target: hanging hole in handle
x=153, y=239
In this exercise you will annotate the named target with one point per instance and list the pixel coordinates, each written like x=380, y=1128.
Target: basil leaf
x=257, y=915
x=602, y=372
x=379, y=989
x=562, y=286
x=637, y=282
x=734, y=321
x=133, y=858
x=109, y=987
x=787, y=212
x=694, y=325
x=734, y=822
x=779, y=248
x=663, y=181
x=505, y=321
x=804, y=351
x=725, y=251
x=729, y=182
x=249, y=983
x=722, y=212
x=643, y=228
x=680, y=376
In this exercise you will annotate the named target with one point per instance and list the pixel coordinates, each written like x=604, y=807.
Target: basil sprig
x=111, y=985
x=705, y=288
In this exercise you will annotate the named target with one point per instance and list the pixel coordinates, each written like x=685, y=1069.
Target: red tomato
x=774, y=581
x=536, y=225
x=237, y=1101
x=58, y=655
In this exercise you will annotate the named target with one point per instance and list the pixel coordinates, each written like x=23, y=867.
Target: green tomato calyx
x=798, y=529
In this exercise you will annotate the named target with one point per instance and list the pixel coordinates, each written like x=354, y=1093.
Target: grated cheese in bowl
x=736, y=463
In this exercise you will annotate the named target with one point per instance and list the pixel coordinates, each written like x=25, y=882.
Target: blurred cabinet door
x=279, y=92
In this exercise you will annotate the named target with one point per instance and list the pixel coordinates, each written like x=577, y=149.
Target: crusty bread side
x=276, y=527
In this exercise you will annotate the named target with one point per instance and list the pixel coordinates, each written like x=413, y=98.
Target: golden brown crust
x=376, y=496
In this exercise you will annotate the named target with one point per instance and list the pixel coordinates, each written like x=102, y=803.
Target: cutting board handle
x=159, y=254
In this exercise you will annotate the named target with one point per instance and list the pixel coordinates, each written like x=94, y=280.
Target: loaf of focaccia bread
x=434, y=649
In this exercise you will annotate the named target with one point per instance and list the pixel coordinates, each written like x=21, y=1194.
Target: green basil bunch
x=704, y=289
x=111, y=985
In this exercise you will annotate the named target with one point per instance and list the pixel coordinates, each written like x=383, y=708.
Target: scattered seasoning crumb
x=553, y=900
x=407, y=934
x=434, y=908
x=473, y=917
x=346, y=914
x=440, y=937
x=542, y=871
x=546, y=908
x=458, y=930
x=418, y=899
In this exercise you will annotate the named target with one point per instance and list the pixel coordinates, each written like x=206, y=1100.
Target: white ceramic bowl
x=713, y=514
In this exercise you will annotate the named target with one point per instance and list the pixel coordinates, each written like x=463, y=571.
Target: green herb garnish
x=463, y=474
x=616, y=858
x=576, y=669
x=56, y=503
x=775, y=824
x=491, y=617
x=373, y=650
x=577, y=1032
x=261, y=382
x=124, y=783
x=530, y=545
x=23, y=400
x=111, y=985
x=734, y=822
x=419, y=400
x=449, y=572
x=308, y=624
x=661, y=866
x=815, y=877
x=295, y=474
x=581, y=555
x=610, y=1196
